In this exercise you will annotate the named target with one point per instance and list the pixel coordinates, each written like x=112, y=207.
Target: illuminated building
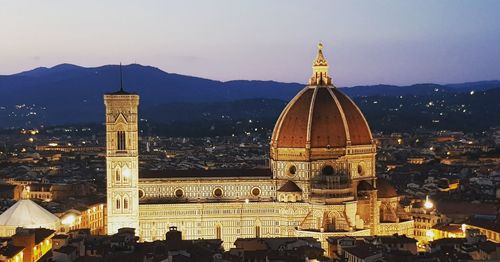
x=91, y=218
x=36, y=242
x=11, y=253
x=425, y=217
x=321, y=182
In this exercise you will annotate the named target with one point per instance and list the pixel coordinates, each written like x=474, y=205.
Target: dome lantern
x=320, y=70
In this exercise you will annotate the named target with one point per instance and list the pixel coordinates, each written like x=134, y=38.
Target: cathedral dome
x=320, y=116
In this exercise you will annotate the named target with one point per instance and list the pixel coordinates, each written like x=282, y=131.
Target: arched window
x=118, y=202
x=117, y=175
x=218, y=232
x=125, y=202
x=120, y=140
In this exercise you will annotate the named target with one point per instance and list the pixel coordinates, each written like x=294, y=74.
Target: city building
x=321, y=182
x=37, y=243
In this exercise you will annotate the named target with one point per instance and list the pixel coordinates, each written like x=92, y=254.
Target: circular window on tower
x=361, y=169
x=179, y=193
x=292, y=170
x=218, y=192
x=327, y=170
x=255, y=191
x=141, y=193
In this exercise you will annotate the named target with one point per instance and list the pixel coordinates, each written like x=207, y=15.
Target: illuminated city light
x=429, y=233
x=126, y=172
x=68, y=220
x=428, y=203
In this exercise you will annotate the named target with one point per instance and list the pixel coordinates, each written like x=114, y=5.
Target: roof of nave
x=206, y=174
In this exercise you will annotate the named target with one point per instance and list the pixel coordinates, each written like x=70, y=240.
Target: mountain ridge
x=71, y=93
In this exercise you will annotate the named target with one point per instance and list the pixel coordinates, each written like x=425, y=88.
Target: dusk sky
x=366, y=42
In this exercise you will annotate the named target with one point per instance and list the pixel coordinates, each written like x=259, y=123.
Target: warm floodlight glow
x=464, y=227
x=429, y=233
x=428, y=203
x=247, y=201
x=126, y=172
x=68, y=220
x=53, y=144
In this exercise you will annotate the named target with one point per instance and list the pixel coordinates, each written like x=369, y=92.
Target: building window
x=120, y=138
x=361, y=170
x=218, y=192
x=118, y=203
x=141, y=193
x=255, y=191
x=117, y=175
x=125, y=203
x=179, y=193
x=218, y=232
x=257, y=231
x=292, y=170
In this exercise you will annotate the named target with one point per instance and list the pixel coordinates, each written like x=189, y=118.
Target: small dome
x=385, y=189
x=365, y=186
x=320, y=116
x=26, y=213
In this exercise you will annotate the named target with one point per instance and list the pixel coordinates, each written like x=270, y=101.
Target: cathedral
x=320, y=183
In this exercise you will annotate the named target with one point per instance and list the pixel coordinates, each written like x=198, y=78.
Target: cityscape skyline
x=166, y=159
x=440, y=42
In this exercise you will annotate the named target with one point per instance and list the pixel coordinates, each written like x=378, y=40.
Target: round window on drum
x=255, y=191
x=179, y=193
x=218, y=192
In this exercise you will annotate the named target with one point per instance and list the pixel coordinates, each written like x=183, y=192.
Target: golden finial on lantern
x=320, y=69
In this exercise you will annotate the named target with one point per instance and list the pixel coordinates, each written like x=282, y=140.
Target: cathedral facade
x=321, y=181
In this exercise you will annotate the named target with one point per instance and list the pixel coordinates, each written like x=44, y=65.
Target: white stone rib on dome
x=26, y=213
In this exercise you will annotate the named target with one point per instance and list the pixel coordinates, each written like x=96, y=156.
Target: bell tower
x=122, y=163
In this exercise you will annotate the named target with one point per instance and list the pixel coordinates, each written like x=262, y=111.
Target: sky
x=365, y=42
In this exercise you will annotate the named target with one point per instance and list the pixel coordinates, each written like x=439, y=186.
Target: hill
x=73, y=94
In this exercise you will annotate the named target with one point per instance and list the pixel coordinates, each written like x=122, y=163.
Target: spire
x=320, y=69
x=320, y=58
x=121, y=78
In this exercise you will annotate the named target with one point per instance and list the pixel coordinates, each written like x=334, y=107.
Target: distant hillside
x=73, y=94
x=437, y=111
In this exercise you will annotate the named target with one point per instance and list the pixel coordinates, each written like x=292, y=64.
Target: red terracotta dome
x=385, y=189
x=320, y=116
